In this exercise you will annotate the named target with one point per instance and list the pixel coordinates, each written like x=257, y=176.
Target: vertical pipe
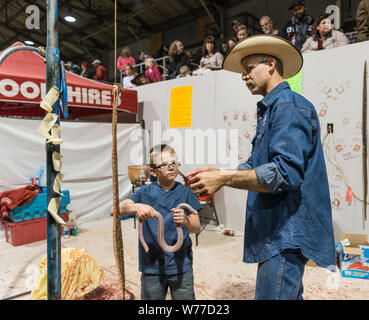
x=53, y=228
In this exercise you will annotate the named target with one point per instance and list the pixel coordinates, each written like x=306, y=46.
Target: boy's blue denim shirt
x=288, y=159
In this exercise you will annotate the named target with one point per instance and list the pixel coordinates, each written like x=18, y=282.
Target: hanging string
x=365, y=153
x=117, y=227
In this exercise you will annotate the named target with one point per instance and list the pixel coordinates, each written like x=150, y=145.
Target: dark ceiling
x=93, y=30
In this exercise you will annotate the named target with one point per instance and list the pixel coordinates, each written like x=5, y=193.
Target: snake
x=160, y=226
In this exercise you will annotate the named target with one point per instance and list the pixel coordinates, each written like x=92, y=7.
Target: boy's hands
x=179, y=216
x=144, y=211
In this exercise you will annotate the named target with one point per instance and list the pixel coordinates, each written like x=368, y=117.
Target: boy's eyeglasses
x=166, y=166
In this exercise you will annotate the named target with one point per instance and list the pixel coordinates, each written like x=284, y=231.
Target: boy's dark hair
x=158, y=149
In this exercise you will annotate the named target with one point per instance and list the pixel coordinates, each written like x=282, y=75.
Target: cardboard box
x=353, y=260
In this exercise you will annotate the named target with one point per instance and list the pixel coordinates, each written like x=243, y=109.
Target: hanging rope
x=365, y=154
x=117, y=227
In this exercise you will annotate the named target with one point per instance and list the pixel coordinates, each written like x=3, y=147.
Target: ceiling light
x=30, y=43
x=70, y=19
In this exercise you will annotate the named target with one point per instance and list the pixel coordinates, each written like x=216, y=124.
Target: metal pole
x=53, y=228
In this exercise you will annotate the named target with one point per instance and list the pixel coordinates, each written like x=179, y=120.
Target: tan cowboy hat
x=265, y=44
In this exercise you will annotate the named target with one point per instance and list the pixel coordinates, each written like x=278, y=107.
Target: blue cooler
x=37, y=208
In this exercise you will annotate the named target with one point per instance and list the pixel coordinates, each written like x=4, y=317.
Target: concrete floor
x=218, y=268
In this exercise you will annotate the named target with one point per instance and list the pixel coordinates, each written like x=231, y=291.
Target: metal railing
x=352, y=36
x=141, y=67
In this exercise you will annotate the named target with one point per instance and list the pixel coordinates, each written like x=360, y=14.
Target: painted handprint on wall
x=356, y=144
x=337, y=200
x=323, y=109
x=236, y=114
x=339, y=145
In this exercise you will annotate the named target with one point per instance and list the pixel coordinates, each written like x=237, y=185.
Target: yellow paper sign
x=180, y=107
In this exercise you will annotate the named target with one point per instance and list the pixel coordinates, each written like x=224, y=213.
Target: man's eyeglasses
x=250, y=67
x=166, y=165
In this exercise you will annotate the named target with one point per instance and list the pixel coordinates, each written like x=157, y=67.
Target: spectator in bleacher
x=184, y=71
x=235, y=25
x=266, y=24
x=163, y=51
x=178, y=58
x=141, y=57
x=194, y=61
x=152, y=72
x=211, y=58
x=101, y=73
x=127, y=80
x=242, y=33
x=324, y=37
x=139, y=79
x=72, y=67
x=300, y=26
x=225, y=48
x=125, y=58
x=362, y=21
x=231, y=42
x=86, y=72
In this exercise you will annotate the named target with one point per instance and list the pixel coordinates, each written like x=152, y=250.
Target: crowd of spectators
x=173, y=61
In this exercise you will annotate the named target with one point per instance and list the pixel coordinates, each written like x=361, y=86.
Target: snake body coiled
x=160, y=223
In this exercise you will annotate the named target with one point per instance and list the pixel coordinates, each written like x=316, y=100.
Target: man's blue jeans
x=155, y=286
x=280, y=277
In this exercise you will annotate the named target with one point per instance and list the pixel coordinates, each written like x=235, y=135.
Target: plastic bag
x=80, y=274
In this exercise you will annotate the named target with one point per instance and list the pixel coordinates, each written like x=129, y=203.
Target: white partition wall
x=86, y=166
x=332, y=81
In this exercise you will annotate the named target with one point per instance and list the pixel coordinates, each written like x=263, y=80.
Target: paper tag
x=349, y=194
x=49, y=99
x=56, y=156
x=57, y=183
x=46, y=125
x=53, y=209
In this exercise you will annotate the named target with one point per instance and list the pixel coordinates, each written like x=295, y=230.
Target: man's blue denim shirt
x=288, y=159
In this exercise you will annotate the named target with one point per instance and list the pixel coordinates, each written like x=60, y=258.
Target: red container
x=18, y=233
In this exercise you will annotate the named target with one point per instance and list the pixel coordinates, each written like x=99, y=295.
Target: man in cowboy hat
x=288, y=215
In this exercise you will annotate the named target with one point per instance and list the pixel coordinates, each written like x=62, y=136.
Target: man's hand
x=179, y=216
x=205, y=181
x=197, y=171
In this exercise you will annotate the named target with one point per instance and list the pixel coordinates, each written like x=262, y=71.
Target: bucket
x=134, y=173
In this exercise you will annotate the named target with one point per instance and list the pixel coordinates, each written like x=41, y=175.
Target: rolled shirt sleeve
x=289, y=147
x=245, y=166
x=269, y=177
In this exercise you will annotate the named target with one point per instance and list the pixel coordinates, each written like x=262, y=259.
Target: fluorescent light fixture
x=70, y=19
x=30, y=43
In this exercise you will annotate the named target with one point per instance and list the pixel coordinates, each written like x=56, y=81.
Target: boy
x=161, y=269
